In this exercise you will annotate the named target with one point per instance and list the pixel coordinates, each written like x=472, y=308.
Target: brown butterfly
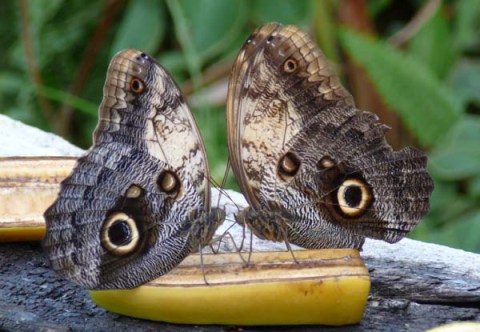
x=138, y=202
x=316, y=171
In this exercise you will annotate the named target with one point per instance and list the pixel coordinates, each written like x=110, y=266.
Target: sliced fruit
x=328, y=287
x=28, y=185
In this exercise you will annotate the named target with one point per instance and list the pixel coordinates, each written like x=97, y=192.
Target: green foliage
x=392, y=71
x=457, y=156
x=432, y=81
x=131, y=32
x=429, y=46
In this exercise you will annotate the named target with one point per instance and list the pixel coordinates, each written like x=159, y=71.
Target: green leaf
x=465, y=81
x=432, y=45
x=10, y=82
x=424, y=104
x=474, y=187
x=458, y=156
x=461, y=233
x=285, y=11
x=207, y=118
x=375, y=7
x=205, y=28
x=42, y=11
x=326, y=29
x=142, y=27
x=65, y=98
x=214, y=24
x=184, y=36
x=174, y=61
x=467, y=25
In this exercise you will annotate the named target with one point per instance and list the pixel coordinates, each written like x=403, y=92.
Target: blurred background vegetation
x=415, y=63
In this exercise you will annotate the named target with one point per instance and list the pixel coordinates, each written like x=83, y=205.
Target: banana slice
x=28, y=185
x=328, y=287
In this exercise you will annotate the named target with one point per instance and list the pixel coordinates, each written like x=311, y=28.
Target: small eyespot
x=134, y=191
x=290, y=66
x=270, y=39
x=141, y=57
x=168, y=183
x=325, y=163
x=354, y=197
x=120, y=235
x=137, y=85
x=251, y=39
x=288, y=165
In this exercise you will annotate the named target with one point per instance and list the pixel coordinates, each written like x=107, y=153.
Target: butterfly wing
x=292, y=129
x=262, y=103
x=137, y=202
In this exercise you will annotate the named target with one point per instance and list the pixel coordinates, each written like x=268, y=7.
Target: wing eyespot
x=325, y=163
x=290, y=66
x=288, y=165
x=169, y=183
x=137, y=86
x=134, y=191
x=120, y=235
x=353, y=197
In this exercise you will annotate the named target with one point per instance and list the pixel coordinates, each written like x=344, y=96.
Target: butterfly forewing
x=308, y=161
x=137, y=202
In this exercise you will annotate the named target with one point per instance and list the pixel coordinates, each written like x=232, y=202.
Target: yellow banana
x=28, y=186
x=328, y=286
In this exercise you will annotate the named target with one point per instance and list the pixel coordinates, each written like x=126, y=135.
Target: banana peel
x=28, y=186
x=328, y=287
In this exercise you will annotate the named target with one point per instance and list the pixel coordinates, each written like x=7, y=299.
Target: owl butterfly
x=316, y=171
x=138, y=202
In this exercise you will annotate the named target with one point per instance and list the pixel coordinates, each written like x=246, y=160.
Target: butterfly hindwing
x=137, y=202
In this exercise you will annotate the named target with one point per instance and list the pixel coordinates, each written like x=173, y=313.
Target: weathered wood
x=32, y=297
x=424, y=273
x=415, y=285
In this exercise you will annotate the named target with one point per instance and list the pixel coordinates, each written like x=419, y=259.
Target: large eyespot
x=137, y=85
x=169, y=183
x=353, y=197
x=288, y=165
x=290, y=66
x=120, y=235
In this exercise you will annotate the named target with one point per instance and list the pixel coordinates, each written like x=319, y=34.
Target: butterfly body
x=316, y=171
x=138, y=202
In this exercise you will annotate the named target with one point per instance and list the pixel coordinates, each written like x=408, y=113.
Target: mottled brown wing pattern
x=316, y=171
x=138, y=202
